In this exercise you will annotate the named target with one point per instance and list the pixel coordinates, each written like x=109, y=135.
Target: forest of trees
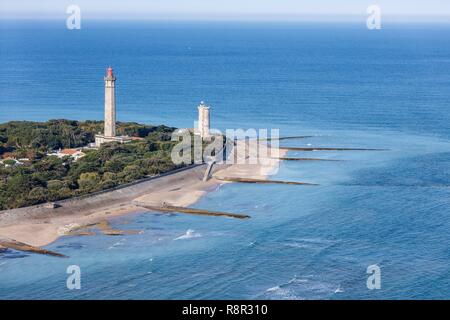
x=47, y=178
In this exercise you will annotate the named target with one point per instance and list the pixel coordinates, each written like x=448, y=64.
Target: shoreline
x=39, y=226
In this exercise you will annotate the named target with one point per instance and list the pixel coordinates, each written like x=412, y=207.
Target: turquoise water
x=347, y=86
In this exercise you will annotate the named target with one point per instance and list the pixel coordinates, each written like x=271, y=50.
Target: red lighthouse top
x=109, y=72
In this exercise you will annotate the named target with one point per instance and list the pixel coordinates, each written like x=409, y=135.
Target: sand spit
x=38, y=225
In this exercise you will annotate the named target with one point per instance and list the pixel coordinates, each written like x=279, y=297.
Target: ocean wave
x=295, y=279
x=190, y=233
x=302, y=288
x=283, y=293
x=252, y=244
x=339, y=289
x=297, y=245
x=118, y=244
x=315, y=240
x=276, y=288
x=309, y=243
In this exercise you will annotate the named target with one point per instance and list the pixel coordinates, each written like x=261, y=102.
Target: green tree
x=37, y=195
x=89, y=181
x=132, y=172
x=114, y=165
x=9, y=162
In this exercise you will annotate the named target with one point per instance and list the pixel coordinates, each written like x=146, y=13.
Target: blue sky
x=228, y=9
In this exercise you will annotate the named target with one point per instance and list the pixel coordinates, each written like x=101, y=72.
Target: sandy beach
x=40, y=226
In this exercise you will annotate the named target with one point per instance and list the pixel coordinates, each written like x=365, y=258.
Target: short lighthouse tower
x=109, y=134
x=203, y=120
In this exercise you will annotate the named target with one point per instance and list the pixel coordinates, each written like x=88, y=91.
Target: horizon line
x=322, y=18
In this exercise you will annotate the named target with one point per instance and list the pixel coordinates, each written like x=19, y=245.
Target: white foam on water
x=190, y=233
x=282, y=293
x=298, y=288
x=308, y=243
x=339, y=289
x=273, y=289
x=297, y=245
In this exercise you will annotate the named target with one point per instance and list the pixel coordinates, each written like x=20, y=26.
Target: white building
x=203, y=120
x=73, y=153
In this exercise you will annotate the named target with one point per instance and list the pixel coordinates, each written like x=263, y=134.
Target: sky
x=227, y=9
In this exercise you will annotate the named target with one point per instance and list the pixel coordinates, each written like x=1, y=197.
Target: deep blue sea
x=342, y=83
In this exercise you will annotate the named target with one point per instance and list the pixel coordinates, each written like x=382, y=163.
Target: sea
x=340, y=83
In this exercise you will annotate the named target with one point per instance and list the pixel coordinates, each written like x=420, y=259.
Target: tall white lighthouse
x=203, y=120
x=110, y=104
x=109, y=134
